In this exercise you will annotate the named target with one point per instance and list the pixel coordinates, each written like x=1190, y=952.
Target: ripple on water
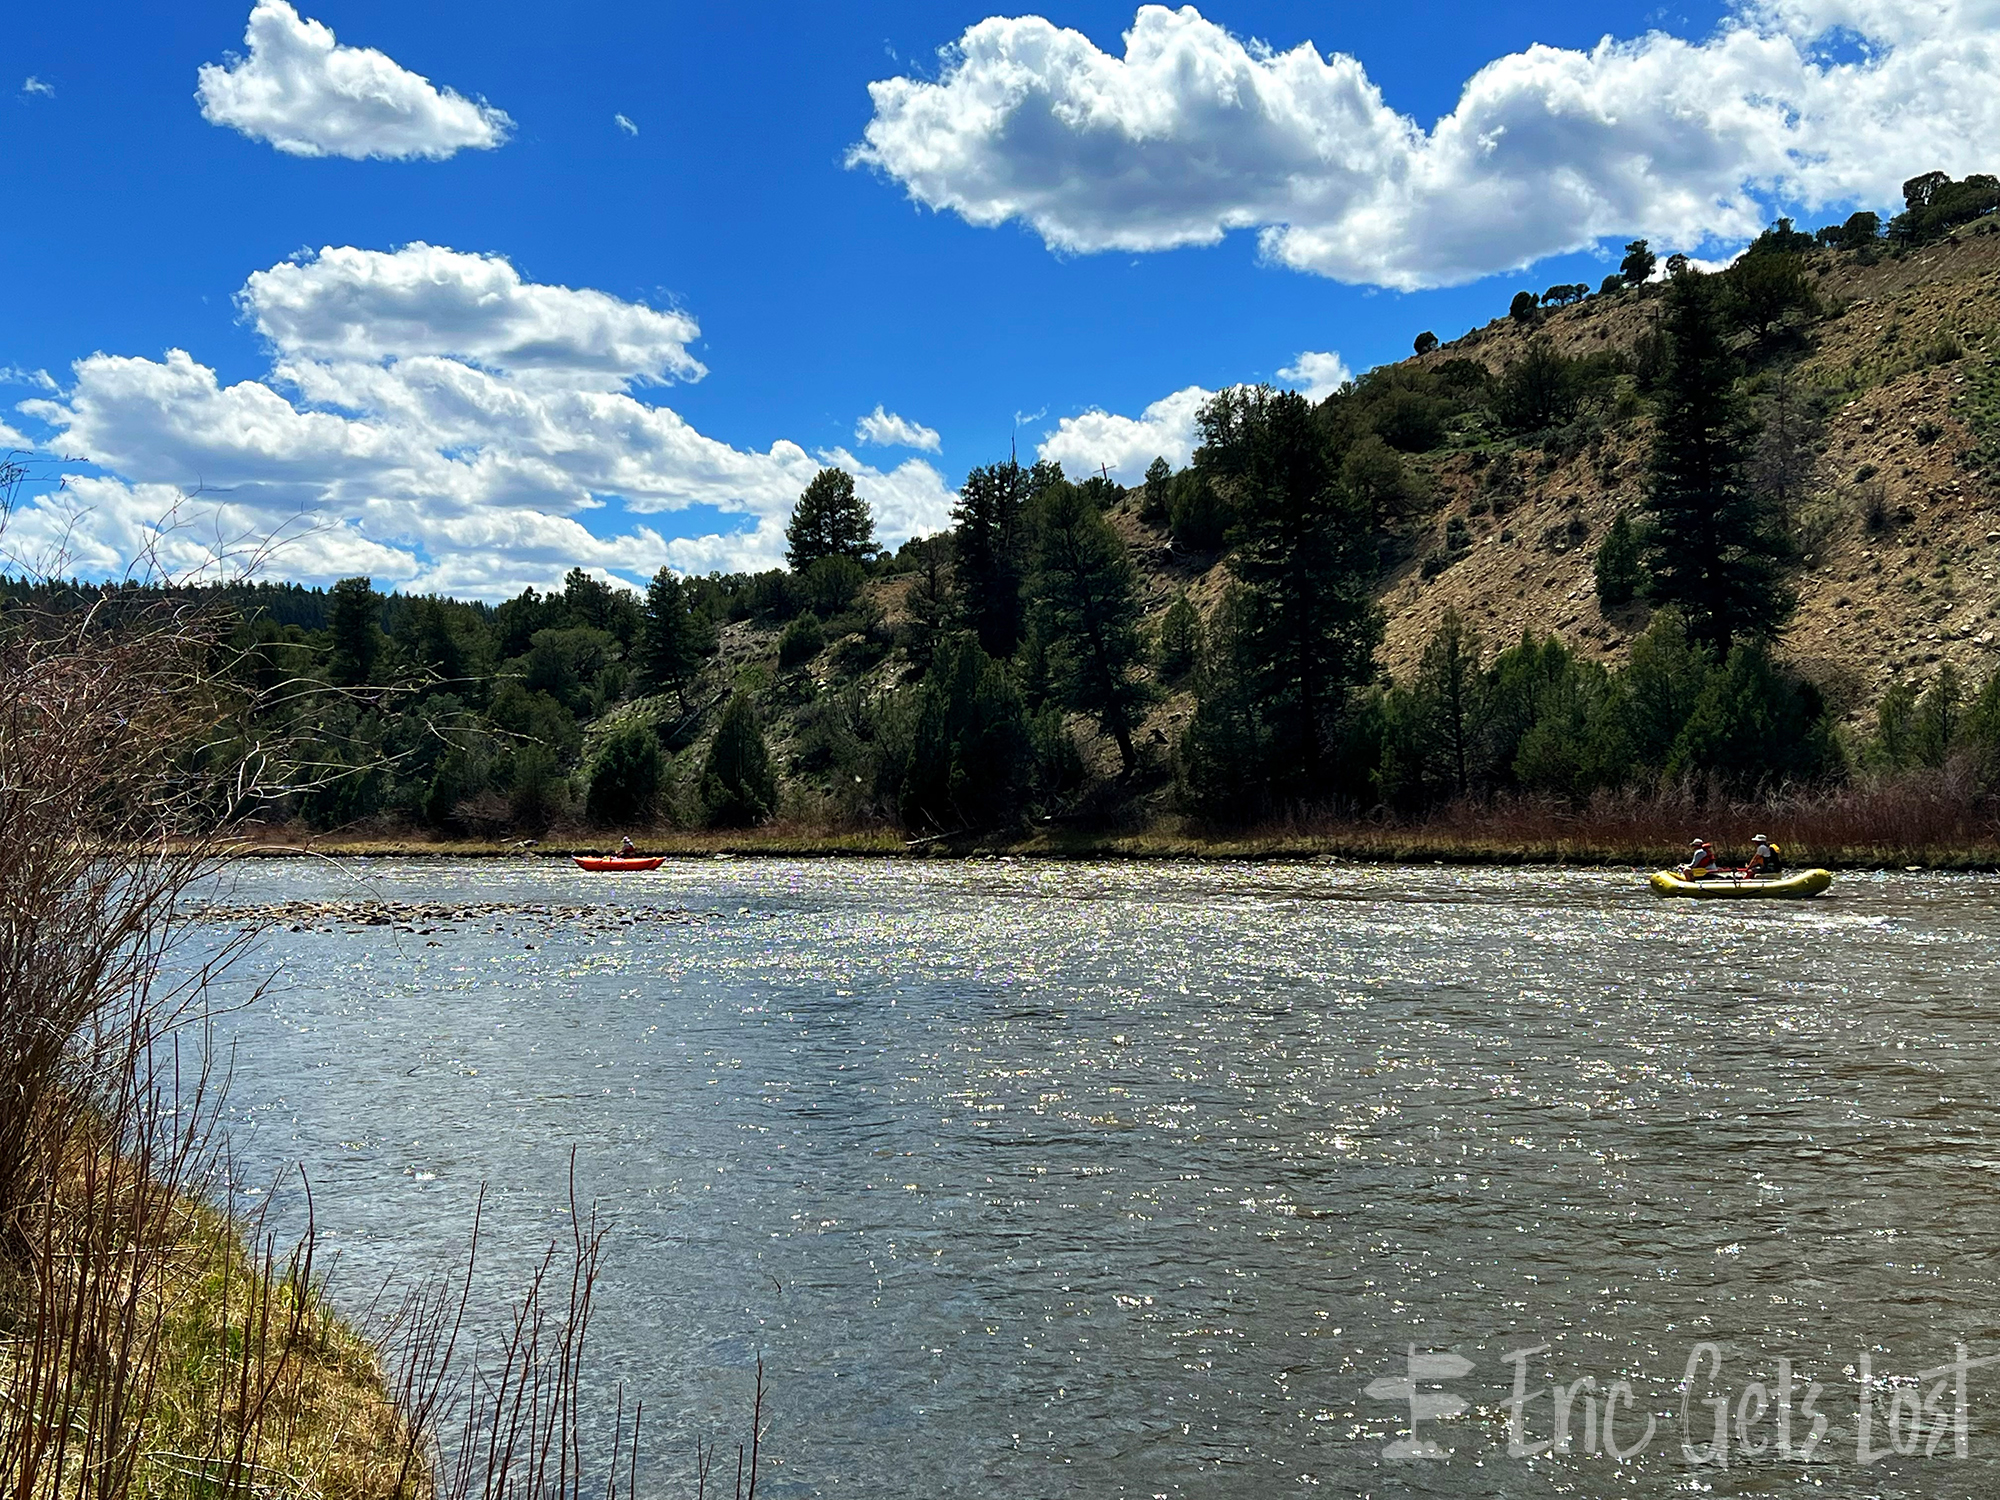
x=1129, y=1179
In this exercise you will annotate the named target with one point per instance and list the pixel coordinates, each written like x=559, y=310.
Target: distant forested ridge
x=1660, y=484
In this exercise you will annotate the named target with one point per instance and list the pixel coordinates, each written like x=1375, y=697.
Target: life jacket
x=1702, y=862
x=1767, y=860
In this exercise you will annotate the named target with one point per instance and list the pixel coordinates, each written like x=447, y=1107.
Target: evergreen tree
x=676, y=638
x=536, y=793
x=1305, y=555
x=1714, y=548
x=429, y=643
x=1939, y=720
x=1223, y=757
x=1756, y=727
x=802, y=640
x=970, y=748
x=1378, y=481
x=1180, y=638
x=1620, y=568
x=1894, y=746
x=829, y=521
x=991, y=547
x=1574, y=747
x=1198, y=516
x=1087, y=612
x=1982, y=730
x=1159, y=479
x=625, y=779
x=1637, y=266
x=830, y=585
x=1761, y=291
x=1660, y=687
x=1450, y=695
x=356, y=631
x=738, y=786
x=589, y=600
x=1541, y=389
x=932, y=601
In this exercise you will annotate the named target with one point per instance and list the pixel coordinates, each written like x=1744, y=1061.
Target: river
x=1031, y=1179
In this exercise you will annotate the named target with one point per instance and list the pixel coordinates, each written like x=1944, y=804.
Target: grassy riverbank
x=246, y=1353
x=1891, y=828
x=153, y=1345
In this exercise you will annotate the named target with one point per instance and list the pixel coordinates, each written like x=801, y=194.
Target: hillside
x=1473, y=483
x=1913, y=432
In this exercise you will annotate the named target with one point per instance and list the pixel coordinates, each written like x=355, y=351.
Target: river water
x=1032, y=1179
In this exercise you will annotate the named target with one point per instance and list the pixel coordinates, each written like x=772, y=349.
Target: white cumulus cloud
x=345, y=305
x=31, y=87
x=1126, y=445
x=885, y=429
x=307, y=95
x=624, y=123
x=1317, y=375
x=434, y=420
x=1192, y=133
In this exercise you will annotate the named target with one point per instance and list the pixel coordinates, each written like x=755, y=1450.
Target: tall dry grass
x=1937, y=818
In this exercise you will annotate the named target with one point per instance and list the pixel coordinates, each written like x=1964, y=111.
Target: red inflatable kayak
x=594, y=862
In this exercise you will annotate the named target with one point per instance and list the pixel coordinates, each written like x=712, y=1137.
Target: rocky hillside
x=1894, y=387
x=1898, y=510
x=1898, y=514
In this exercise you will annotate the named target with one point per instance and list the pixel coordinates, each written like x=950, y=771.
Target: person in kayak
x=1766, y=858
x=1701, y=861
x=627, y=849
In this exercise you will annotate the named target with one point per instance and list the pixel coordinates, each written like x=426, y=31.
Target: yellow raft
x=1795, y=887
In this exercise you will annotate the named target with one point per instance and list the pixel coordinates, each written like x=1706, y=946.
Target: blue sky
x=1039, y=226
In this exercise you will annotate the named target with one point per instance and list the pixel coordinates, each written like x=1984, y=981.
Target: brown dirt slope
x=1910, y=355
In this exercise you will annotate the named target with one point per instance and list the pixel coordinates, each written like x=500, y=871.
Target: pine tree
x=1087, y=612
x=1637, y=266
x=1665, y=679
x=1715, y=549
x=1223, y=755
x=971, y=748
x=1756, y=727
x=829, y=521
x=1159, y=479
x=1450, y=693
x=1620, y=567
x=991, y=547
x=1180, y=638
x=676, y=637
x=356, y=631
x=1894, y=745
x=932, y=600
x=1305, y=555
x=1982, y=731
x=625, y=779
x=738, y=786
x=1939, y=720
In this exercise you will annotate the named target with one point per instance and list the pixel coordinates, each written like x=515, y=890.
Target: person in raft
x=627, y=849
x=1701, y=861
x=1765, y=857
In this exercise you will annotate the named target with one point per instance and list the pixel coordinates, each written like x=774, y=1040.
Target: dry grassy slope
x=1872, y=607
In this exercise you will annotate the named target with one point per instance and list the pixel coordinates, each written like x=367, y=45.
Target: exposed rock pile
x=439, y=918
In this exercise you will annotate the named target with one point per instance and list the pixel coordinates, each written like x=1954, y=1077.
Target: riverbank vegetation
x=1281, y=632
x=155, y=1340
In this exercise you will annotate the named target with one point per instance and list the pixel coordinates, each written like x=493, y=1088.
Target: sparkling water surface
x=1033, y=1179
